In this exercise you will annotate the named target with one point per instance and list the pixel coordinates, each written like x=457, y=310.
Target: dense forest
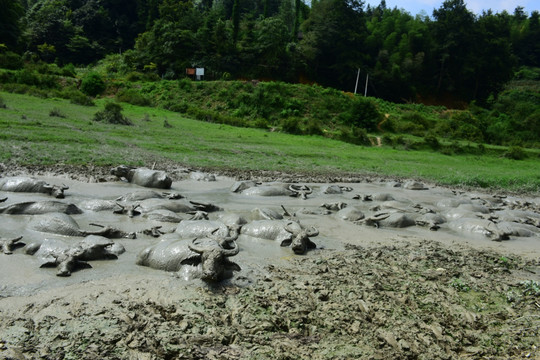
x=453, y=55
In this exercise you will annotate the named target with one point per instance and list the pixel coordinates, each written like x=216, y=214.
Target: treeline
x=453, y=56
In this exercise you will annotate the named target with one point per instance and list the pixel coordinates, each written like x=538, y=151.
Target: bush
x=515, y=153
x=291, y=126
x=77, y=97
x=313, y=127
x=354, y=135
x=112, y=114
x=92, y=84
x=362, y=114
x=10, y=60
x=432, y=142
x=56, y=112
x=132, y=96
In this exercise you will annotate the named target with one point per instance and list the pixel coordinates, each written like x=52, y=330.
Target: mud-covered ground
x=405, y=296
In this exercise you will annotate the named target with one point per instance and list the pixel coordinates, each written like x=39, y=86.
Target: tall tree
x=12, y=11
x=454, y=34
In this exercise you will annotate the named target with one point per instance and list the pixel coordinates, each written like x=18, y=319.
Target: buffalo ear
x=311, y=245
x=286, y=242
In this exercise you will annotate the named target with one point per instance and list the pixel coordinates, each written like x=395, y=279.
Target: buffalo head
x=214, y=260
x=55, y=190
x=301, y=191
x=301, y=241
x=121, y=171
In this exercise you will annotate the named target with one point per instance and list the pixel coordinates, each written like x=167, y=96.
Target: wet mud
x=365, y=291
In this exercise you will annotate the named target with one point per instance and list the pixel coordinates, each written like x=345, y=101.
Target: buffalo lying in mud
x=28, y=184
x=208, y=257
x=70, y=257
x=63, y=224
x=40, y=207
x=143, y=177
x=283, y=231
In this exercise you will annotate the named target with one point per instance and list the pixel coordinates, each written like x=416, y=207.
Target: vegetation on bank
x=30, y=135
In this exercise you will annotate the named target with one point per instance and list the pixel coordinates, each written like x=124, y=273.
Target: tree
x=333, y=36
x=10, y=30
x=454, y=34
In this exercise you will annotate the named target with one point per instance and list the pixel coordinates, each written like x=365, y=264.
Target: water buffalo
x=69, y=257
x=482, y=227
x=163, y=215
x=28, y=184
x=350, y=214
x=301, y=191
x=272, y=230
x=269, y=190
x=40, y=207
x=143, y=176
x=208, y=256
x=335, y=189
x=63, y=224
x=149, y=194
x=8, y=245
x=300, y=241
x=130, y=209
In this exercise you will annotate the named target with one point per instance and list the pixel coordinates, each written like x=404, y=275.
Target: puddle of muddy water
x=21, y=274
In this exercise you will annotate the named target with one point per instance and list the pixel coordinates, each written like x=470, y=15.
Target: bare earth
x=365, y=292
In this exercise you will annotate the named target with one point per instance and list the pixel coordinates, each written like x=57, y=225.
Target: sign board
x=199, y=71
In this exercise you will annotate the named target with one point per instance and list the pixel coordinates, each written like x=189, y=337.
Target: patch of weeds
x=515, y=153
x=530, y=287
x=56, y=112
x=146, y=118
x=2, y=104
x=460, y=285
x=112, y=114
x=166, y=124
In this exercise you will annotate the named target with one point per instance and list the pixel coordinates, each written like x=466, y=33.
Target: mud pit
x=364, y=292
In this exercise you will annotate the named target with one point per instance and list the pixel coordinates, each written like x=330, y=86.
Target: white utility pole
x=365, y=90
x=357, y=77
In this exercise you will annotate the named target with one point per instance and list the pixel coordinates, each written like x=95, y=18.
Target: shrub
x=432, y=142
x=132, y=96
x=291, y=126
x=515, y=153
x=92, y=84
x=112, y=114
x=313, y=127
x=362, y=114
x=56, y=112
x=354, y=135
x=10, y=60
x=77, y=97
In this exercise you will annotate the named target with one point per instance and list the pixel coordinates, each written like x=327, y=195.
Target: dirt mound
x=411, y=300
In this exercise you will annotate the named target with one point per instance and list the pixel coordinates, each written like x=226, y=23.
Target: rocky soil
x=417, y=299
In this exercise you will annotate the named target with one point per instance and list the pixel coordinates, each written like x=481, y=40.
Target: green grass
x=29, y=136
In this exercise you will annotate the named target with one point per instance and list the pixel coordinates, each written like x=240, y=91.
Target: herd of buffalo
x=206, y=236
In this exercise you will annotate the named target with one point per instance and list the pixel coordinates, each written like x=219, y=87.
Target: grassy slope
x=29, y=136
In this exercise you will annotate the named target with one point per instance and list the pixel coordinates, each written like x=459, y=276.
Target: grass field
x=29, y=135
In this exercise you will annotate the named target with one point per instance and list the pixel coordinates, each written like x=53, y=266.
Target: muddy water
x=21, y=275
